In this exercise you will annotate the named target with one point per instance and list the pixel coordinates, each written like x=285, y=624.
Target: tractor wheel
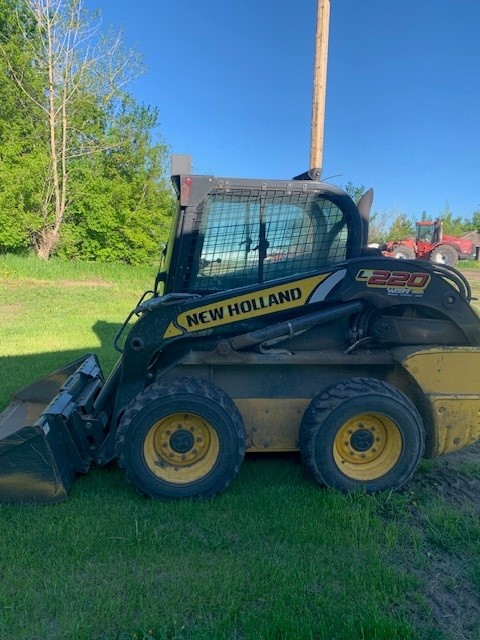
x=180, y=439
x=362, y=433
x=402, y=252
x=444, y=254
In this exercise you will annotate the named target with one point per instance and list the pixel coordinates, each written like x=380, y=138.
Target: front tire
x=402, y=252
x=181, y=438
x=362, y=433
x=444, y=254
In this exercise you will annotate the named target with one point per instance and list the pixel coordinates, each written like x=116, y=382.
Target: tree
x=354, y=191
x=22, y=158
x=401, y=228
x=474, y=224
x=377, y=228
x=73, y=79
x=452, y=225
x=122, y=203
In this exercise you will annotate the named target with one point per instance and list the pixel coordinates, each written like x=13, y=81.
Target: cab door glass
x=245, y=237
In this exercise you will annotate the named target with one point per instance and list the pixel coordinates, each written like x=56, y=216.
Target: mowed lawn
x=274, y=557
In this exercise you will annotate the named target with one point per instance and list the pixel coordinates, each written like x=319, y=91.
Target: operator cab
x=230, y=233
x=429, y=232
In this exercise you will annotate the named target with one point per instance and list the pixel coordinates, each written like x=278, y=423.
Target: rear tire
x=402, y=252
x=444, y=254
x=362, y=433
x=181, y=438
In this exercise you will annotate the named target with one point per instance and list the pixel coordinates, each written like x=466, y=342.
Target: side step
x=47, y=434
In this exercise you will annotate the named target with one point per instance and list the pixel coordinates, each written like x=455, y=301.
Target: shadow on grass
x=19, y=371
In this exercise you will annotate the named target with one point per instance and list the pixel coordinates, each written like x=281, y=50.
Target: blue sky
x=233, y=83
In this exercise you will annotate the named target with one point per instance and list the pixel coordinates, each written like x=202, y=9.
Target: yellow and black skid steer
x=271, y=327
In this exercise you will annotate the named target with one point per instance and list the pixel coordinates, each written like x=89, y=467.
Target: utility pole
x=319, y=84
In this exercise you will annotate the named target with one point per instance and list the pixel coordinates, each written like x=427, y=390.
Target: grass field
x=274, y=557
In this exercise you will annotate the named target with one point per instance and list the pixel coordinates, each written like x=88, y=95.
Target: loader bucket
x=41, y=441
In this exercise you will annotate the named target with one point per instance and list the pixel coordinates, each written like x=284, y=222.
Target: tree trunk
x=46, y=243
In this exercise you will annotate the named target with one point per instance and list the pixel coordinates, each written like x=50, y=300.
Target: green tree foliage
x=475, y=222
x=377, y=228
x=453, y=225
x=382, y=228
x=402, y=227
x=122, y=201
x=354, y=191
x=22, y=157
x=81, y=164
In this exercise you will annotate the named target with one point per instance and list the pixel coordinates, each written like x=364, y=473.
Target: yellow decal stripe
x=251, y=305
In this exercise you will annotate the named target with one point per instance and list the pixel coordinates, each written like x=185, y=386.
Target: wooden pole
x=319, y=84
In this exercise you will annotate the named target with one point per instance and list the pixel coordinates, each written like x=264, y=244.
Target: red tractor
x=431, y=244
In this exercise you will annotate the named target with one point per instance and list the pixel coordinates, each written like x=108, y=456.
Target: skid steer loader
x=271, y=327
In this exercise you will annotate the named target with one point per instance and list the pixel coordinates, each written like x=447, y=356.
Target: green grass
x=51, y=313
x=274, y=557
x=20, y=268
x=468, y=264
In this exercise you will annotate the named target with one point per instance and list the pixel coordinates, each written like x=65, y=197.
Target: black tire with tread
x=330, y=409
x=186, y=395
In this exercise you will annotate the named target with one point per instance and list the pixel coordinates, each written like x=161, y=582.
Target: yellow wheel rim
x=181, y=448
x=367, y=447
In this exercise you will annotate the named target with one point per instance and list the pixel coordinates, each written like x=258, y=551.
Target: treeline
x=82, y=168
x=384, y=227
x=402, y=226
